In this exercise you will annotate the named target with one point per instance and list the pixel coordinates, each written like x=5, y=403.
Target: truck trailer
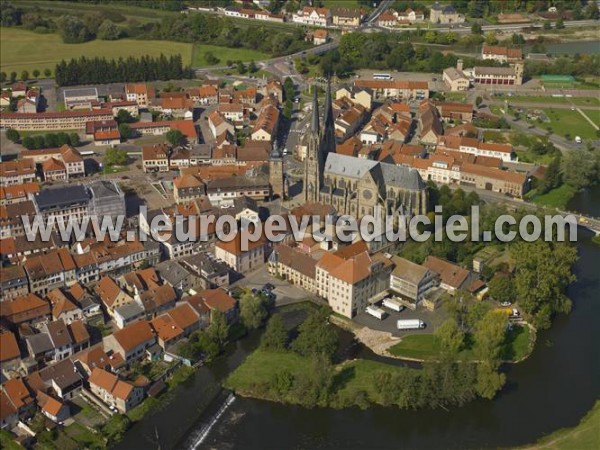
x=392, y=303
x=375, y=311
x=410, y=324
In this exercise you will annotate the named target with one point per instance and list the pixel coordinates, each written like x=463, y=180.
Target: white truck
x=392, y=303
x=375, y=311
x=410, y=324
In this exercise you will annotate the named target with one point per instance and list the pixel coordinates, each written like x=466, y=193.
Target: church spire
x=328, y=116
x=328, y=141
x=314, y=124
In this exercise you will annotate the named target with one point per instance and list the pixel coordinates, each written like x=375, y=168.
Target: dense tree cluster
x=50, y=140
x=101, y=70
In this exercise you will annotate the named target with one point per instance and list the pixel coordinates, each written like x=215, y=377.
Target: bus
x=382, y=76
x=87, y=153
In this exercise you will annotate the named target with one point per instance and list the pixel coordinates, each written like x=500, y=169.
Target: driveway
x=388, y=324
x=285, y=292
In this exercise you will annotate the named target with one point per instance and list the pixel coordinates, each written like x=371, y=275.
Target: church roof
x=390, y=174
x=314, y=123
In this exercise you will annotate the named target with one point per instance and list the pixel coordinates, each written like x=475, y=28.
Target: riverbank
x=585, y=436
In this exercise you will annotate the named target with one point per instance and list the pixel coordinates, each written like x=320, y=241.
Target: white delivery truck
x=410, y=324
x=392, y=303
x=375, y=311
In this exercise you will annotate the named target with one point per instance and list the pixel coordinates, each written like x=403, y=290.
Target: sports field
x=25, y=50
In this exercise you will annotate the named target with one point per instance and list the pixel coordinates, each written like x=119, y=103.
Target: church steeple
x=313, y=169
x=328, y=142
x=314, y=123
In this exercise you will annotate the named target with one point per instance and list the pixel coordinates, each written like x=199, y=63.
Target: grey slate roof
x=129, y=310
x=104, y=188
x=390, y=174
x=56, y=197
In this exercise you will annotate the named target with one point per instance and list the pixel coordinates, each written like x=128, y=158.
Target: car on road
x=269, y=287
x=505, y=304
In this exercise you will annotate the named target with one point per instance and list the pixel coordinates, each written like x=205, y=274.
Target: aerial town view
x=284, y=224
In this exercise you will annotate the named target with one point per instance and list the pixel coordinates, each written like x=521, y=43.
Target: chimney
x=459, y=65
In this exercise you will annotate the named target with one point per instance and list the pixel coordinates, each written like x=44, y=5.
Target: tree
x=74, y=139
x=553, y=176
x=591, y=11
x=13, y=77
x=36, y=74
x=241, y=68
x=560, y=24
x=315, y=335
x=3, y=77
x=577, y=10
x=115, y=157
x=47, y=73
x=28, y=142
x=109, y=31
x=24, y=75
x=547, y=25
x=13, y=135
x=489, y=338
x=450, y=337
x=478, y=101
x=218, y=330
x=123, y=116
x=211, y=59
x=175, y=137
x=543, y=271
x=502, y=289
x=275, y=335
x=476, y=28
x=579, y=172
x=73, y=30
x=252, y=67
x=124, y=130
x=252, y=310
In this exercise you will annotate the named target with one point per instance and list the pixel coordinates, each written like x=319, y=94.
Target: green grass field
x=556, y=198
x=580, y=101
x=427, y=347
x=26, y=50
x=585, y=436
x=565, y=121
x=352, y=4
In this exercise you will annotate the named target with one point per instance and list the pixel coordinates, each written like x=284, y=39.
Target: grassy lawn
x=528, y=156
x=224, y=54
x=565, y=121
x=556, y=198
x=260, y=366
x=7, y=442
x=84, y=437
x=455, y=97
x=546, y=99
x=426, y=346
x=585, y=436
x=353, y=4
x=26, y=50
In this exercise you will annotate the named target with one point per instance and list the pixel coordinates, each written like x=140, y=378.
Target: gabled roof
x=17, y=393
x=108, y=290
x=450, y=274
x=9, y=348
x=134, y=335
x=217, y=299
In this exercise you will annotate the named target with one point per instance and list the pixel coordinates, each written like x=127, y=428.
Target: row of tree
x=101, y=70
x=12, y=77
x=40, y=141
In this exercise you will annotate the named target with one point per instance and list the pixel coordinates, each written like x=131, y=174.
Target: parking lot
x=388, y=324
x=285, y=292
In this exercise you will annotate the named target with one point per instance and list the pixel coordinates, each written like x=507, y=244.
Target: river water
x=552, y=389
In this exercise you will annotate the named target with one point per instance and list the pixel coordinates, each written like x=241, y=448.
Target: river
x=552, y=389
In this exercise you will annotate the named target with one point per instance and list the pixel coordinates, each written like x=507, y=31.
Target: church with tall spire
x=320, y=141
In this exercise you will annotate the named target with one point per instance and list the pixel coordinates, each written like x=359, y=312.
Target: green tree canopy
x=315, y=335
x=275, y=335
x=252, y=310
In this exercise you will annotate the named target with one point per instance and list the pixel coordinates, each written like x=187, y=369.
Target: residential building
x=444, y=14
x=111, y=295
x=358, y=96
x=66, y=120
x=240, y=258
x=131, y=342
x=18, y=171
x=347, y=18
x=266, y=125
x=155, y=158
x=219, y=300
x=501, y=54
x=52, y=408
x=211, y=271
x=63, y=203
x=63, y=378
x=455, y=78
x=452, y=111
x=452, y=276
x=10, y=355
x=13, y=282
x=113, y=391
x=80, y=98
x=401, y=89
x=350, y=277
x=17, y=193
x=19, y=397
x=320, y=17
x=295, y=265
x=140, y=93
x=28, y=309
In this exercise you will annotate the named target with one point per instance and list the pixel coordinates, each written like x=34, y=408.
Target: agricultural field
x=25, y=50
